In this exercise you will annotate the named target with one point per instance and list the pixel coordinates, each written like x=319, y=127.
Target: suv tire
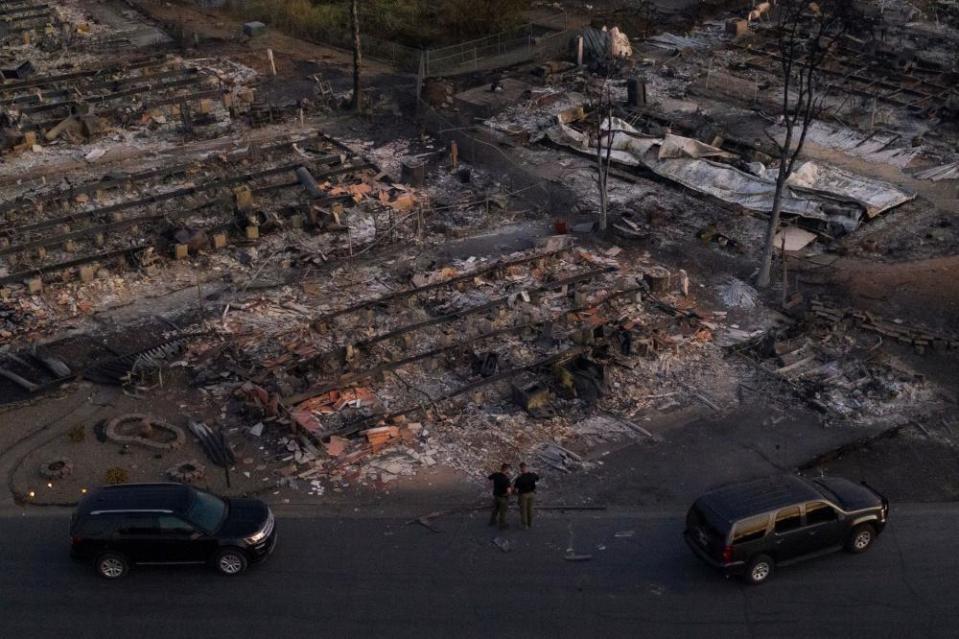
x=861, y=538
x=112, y=565
x=230, y=561
x=759, y=570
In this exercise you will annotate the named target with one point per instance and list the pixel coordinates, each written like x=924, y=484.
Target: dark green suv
x=749, y=529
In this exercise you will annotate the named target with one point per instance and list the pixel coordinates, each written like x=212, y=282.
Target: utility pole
x=357, y=55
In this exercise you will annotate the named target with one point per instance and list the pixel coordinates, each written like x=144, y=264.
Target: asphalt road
x=382, y=578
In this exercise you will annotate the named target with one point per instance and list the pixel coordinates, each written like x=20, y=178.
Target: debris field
x=286, y=298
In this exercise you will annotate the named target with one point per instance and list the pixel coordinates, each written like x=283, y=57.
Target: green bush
x=411, y=22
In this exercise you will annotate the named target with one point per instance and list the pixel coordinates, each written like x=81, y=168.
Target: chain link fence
x=501, y=49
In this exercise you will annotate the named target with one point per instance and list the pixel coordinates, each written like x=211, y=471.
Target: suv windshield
x=829, y=491
x=206, y=511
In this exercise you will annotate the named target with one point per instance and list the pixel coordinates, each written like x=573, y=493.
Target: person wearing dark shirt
x=525, y=486
x=501, y=490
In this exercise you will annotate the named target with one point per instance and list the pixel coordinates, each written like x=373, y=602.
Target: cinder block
x=41, y=253
x=34, y=286
x=219, y=240
x=70, y=246
x=253, y=29
x=181, y=251
x=253, y=232
x=88, y=273
x=243, y=197
x=99, y=239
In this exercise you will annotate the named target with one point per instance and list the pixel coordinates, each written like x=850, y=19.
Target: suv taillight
x=74, y=540
x=727, y=554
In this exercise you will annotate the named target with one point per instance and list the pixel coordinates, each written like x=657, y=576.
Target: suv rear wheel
x=759, y=570
x=112, y=565
x=230, y=561
x=861, y=538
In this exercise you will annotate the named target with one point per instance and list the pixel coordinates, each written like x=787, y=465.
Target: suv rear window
x=701, y=517
x=750, y=529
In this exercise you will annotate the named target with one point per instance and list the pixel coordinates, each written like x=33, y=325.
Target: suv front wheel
x=230, y=561
x=112, y=565
x=759, y=570
x=861, y=538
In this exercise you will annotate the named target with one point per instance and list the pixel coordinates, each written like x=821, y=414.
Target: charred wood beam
x=189, y=80
x=349, y=379
x=40, y=270
x=392, y=297
x=184, y=192
x=25, y=14
x=112, y=83
x=33, y=98
x=449, y=317
x=60, y=266
x=133, y=221
x=162, y=172
x=14, y=7
x=53, y=79
x=354, y=427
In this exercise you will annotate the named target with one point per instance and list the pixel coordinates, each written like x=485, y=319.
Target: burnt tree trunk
x=765, y=266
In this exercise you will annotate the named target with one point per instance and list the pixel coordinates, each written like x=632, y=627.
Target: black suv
x=749, y=528
x=119, y=526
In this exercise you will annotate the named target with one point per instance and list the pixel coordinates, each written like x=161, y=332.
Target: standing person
x=501, y=490
x=525, y=486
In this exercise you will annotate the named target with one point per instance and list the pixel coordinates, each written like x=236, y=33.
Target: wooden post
x=785, y=276
x=454, y=155
x=579, y=51
x=269, y=56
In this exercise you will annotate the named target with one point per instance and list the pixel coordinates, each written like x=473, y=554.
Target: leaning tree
x=806, y=34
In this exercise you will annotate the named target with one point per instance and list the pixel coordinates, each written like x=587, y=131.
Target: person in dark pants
x=501, y=490
x=525, y=486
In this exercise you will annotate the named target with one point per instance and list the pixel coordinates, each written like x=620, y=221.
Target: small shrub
x=116, y=475
x=77, y=434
